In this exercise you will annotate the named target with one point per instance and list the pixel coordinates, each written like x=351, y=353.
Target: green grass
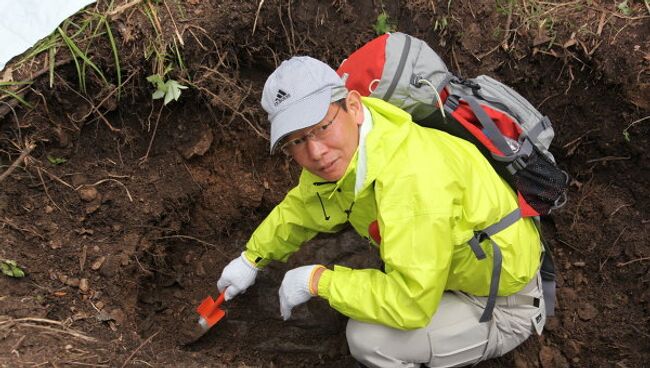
x=81, y=60
x=91, y=28
x=4, y=91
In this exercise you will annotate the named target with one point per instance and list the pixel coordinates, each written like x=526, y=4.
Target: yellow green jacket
x=428, y=191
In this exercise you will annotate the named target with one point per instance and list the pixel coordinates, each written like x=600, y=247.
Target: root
x=144, y=158
x=145, y=342
x=191, y=238
x=47, y=193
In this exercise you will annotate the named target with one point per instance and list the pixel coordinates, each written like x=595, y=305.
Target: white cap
x=298, y=94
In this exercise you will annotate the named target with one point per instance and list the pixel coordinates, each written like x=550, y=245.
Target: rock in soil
x=97, y=264
x=587, y=312
x=88, y=194
x=83, y=285
x=551, y=357
x=200, y=147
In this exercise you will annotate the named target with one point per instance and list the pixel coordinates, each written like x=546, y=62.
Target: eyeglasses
x=316, y=134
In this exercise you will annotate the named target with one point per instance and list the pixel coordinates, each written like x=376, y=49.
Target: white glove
x=236, y=277
x=295, y=288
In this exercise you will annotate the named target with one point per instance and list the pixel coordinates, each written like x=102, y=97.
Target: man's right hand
x=236, y=277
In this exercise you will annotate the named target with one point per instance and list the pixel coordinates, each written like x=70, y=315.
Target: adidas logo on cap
x=281, y=96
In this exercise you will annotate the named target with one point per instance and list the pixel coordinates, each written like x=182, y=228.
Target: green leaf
x=169, y=90
x=168, y=97
x=158, y=94
x=624, y=7
x=56, y=160
x=383, y=24
x=154, y=78
x=10, y=268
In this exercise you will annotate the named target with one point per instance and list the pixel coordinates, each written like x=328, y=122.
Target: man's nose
x=315, y=149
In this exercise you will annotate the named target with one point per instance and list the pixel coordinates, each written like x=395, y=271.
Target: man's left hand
x=297, y=287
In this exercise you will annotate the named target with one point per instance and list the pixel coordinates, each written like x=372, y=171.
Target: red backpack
x=512, y=135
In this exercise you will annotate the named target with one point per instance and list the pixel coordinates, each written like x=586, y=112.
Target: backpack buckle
x=467, y=83
x=416, y=80
x=519, y=163
x=452, y=102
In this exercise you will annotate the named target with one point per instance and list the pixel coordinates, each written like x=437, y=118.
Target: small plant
x=383, y=24
x=169, y=89
x=504, y=7
x=11, y=269
x=624, y=7
x=626, y=131
x=56, y=160
x=440, y=24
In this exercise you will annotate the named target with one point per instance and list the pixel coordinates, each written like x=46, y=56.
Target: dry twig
x=609, y=158
x=178, y=35
x=29, y=147
x=47, y=193
x=618, y=209
x=187, y=237
x=7, y=221
x=572, y=247
x=622, y=264
x=122, y=8
x=105, y=180
x=257, y=14
x=139, y=347
x=579, y=205
x=63, y=330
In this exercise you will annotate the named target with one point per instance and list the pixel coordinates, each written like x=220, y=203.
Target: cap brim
x=299, y=115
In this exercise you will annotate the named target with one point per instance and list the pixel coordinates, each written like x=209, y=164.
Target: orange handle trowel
x=210, y=313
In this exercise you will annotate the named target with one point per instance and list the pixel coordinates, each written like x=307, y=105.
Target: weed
x=504, y=7
x=624, y=7
x=169, y=89
x=383, y=24
x=626, y=131
x=441, y=24
x=10, y=268
x=56, y=160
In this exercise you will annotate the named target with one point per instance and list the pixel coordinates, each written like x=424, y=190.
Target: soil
x=120, y=242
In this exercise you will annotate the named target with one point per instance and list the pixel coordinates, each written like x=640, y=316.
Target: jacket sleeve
x=291, y=223
x=417, y=249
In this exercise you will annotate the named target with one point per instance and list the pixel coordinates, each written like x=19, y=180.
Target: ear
x=355, y=107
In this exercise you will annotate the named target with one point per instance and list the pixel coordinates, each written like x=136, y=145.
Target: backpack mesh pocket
x=542, y=184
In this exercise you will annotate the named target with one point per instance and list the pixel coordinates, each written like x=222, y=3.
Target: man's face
x=325, y=149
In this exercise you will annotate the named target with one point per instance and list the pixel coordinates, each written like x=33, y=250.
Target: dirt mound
x=123, y=211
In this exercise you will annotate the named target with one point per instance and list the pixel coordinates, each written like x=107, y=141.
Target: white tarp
x=24, y=22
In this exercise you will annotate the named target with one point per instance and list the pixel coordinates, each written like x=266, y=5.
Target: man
x=420, y=194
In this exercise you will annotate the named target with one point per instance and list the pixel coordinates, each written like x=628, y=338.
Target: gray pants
x=454, y=337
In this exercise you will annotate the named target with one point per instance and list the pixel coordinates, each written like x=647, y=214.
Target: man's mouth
x=328, y=166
